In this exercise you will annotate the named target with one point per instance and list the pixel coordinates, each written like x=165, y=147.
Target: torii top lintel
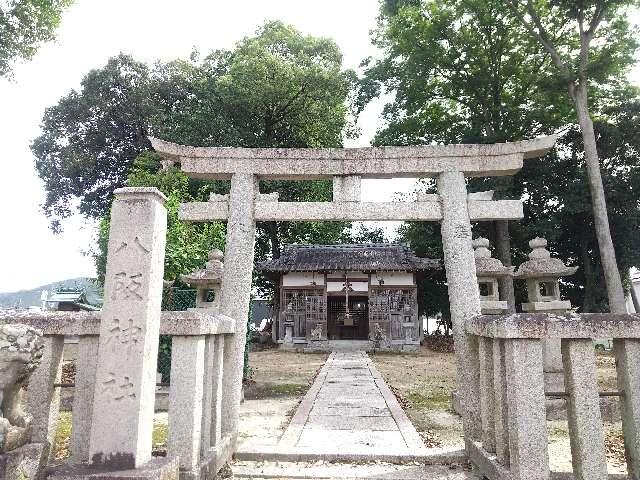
x=480, y=160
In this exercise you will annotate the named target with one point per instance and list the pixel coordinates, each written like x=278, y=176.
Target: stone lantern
x=541, y=272
x=488, y=271
x=207, y=281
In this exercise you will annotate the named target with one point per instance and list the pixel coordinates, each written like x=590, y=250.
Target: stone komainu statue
x=21, y=349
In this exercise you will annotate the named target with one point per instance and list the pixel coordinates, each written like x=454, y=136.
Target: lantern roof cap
x=541, y=264
x=210, y=275
x=486, y=265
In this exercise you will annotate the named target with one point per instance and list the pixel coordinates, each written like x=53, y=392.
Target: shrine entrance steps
x=350, y=415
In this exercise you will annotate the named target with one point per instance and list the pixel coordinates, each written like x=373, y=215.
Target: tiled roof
x=66, y=297
x=350, y=257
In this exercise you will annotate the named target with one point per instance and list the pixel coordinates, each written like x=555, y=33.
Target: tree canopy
x=461, y=72
x=587, y=41
x=468, y=71
x=24, y=26
x=278, y=88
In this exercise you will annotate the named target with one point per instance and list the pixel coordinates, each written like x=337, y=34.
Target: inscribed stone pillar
x=464, y=297
x=128, y=348
x=503, y=253
x=236, y=291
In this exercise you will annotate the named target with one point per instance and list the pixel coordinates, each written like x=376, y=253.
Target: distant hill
x=31, y=298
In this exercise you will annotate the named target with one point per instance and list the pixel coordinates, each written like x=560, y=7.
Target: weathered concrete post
x=43, y=398
x=186, y=399
x=86, y=366
x=501, y=411
x=528, y=451
x=487, y=394
x=464, y=297
x=124, y=394
x=236, y=291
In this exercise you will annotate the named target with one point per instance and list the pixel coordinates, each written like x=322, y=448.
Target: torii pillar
x=236, y=291
x=464, y=296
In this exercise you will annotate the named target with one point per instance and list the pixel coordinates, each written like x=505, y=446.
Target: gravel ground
x=278, y=382
x=423, y=383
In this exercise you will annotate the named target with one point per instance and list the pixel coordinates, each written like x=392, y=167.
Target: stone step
x=326, y=470
x=430, y=456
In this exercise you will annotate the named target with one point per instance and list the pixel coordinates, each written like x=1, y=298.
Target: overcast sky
x=91, y=32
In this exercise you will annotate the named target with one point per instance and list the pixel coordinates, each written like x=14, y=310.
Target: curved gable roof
x=349, y=257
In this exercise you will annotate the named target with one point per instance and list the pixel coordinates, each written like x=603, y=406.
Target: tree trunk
x=589, y=278
x=503, y=253
x=274, y=240
x=612, y=278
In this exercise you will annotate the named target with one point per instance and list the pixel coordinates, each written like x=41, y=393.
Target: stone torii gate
x=244, y=206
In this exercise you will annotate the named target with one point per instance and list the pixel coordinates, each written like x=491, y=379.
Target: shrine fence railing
x=511, y=442
x=195, y=392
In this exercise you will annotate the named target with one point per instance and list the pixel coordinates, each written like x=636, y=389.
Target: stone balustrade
x=195, y=392
x=512, y=443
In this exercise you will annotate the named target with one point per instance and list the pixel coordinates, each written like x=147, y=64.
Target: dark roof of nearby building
x=351, y=257
x=77, y=298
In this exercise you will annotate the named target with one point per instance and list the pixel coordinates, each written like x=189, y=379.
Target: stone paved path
x=349, y=409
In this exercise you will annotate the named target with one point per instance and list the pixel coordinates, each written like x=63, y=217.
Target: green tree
x=461, y=72
x=24, y=26
x=276, y=89
x=91, y=137
x=559, y=206
x=188, y=244
x=469, y=72
x=588, y=41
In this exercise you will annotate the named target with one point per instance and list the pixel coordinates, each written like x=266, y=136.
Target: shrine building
x=355, y=292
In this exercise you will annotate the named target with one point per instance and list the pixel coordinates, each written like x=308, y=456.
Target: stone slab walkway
x=349, y=414
x=349, y=408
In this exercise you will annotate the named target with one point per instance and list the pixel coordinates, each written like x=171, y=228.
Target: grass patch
x=160, y=433
x=257, y=391
x=289, y=389
x=62, y=439
x=438, y=400
x=557, y=433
